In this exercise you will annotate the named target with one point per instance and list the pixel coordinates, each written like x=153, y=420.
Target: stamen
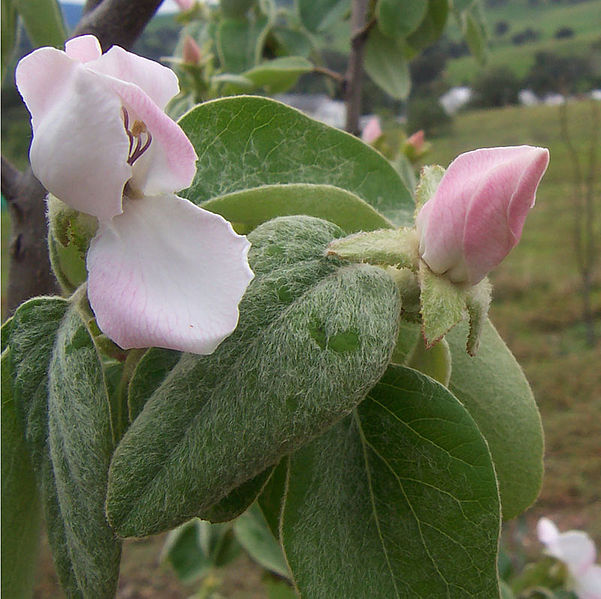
x=135, y=134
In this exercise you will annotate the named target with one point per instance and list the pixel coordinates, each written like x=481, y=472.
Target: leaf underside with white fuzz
x=442, y=305
x=80, y=439
x=314, y=336
x=48, y=336
x=248, y=142
x=391, y=247
x=406, y=487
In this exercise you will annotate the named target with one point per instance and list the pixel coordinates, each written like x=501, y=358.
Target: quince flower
x=478, y=211
x=578, y=552
x=161, y=271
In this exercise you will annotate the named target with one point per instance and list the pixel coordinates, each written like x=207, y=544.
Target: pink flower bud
x=191, y=52
x=185, y=4
x=417, y=141
x=477, y=213
x=372, y=130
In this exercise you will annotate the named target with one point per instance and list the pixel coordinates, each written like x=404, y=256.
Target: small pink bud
x=191, y=52
x=185, y=4
x=372, y=130
x=417, y=141
x=478, y=211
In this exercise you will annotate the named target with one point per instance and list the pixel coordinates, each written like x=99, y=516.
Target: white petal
x=547, y=531
x=79, y=149
x=576, y=549
x=166, y=273
x=588, y=585
x=83, y=48
x=157, y=81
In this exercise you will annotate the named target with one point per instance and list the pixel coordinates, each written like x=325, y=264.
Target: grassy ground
x=583, y=18
x=537, y=308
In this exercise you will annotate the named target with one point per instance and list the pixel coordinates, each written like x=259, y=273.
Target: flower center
x=139, y=137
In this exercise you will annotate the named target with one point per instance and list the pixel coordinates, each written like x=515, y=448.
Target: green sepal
x=443, y=305
x=407, y=283
x=386, y=247
x=429, y=180
x=477, y=303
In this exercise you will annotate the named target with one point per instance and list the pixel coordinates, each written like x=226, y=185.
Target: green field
x=583, y=18
x=537, y=307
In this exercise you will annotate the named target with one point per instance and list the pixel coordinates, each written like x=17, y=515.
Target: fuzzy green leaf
x=386, y=64
x=271, y=498
x=313, y=337
x=80, y=439
x=253, y=533
x=407, y=487
x=33, y=333
x=398, y=18
x=20, y=500
x=196, y=547
x=248, y=142
x=150, y=372
x=249, y=208
x=236, y=8
x=238, y=500
x=292, y=42
x=428, y=183
x=387, y=247
x=319, y=15
x=494, y=389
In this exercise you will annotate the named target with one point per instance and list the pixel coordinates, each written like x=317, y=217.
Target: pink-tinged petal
x=477, y=213
x=157, y=81
x=166, y=273
x=185, y=4
x=372, y=130
x=588, y=585
x=169, y=164
x=576, y=549
x=79, y=149
x=83, y=48
x=547, y=531
x=499, y=207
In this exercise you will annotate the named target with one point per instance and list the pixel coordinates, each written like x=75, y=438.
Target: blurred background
x=541, y=85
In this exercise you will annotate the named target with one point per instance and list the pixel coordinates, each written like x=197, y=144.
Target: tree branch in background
x=354, y=73
x=112, y=22
x=10, y=181
x=89, y=6
x=30, y=272
x=117, y=22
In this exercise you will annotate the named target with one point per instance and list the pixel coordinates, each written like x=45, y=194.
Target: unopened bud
x=191, y=52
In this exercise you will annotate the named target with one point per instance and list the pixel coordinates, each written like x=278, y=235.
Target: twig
x=337, y=77
x=118, y=22
x=354, y=73
x=89, y=6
